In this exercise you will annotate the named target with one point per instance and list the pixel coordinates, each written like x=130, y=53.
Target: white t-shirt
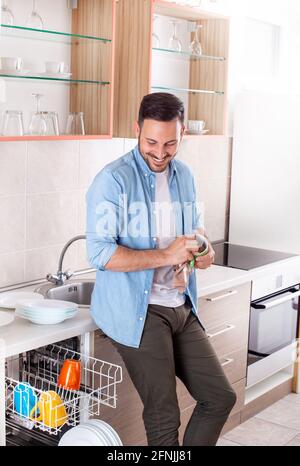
x=162, y=292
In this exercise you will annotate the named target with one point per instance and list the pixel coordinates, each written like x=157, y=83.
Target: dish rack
x=41, y=368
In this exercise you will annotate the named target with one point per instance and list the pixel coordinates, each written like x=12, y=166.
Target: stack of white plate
x=93, y=433
x=46, y=311
x=10, y=299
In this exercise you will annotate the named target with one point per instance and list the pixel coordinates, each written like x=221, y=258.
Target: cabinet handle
x=222, y=296
x=227, y=362
x=225, y=330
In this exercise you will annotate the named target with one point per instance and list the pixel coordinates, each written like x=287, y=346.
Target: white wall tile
x=40, y=262
x=215, y=227
x=94, y=155
x=207, y=157
x=81, y=211
x=52, y=166
x=12, y=230
x=129, y=144
x=51, y=218
x=11, y=269
x=213, y=194
x=82, y=257
x=12, y=168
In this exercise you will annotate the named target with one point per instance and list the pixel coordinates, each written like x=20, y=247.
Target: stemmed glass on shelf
x=35, y=21
x=6, y=14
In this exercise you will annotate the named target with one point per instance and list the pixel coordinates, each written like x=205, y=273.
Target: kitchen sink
x=76, y=291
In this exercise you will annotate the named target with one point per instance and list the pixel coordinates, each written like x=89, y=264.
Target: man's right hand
x=181, y=250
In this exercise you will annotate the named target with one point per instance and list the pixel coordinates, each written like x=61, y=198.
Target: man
x=141, y=221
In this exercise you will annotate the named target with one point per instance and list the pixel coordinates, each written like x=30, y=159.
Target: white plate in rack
x=108, y=429
x=82, y=435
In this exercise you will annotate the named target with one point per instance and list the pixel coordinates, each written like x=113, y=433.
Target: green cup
x=202, y=241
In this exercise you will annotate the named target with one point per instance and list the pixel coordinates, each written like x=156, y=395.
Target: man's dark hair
x=161, y=106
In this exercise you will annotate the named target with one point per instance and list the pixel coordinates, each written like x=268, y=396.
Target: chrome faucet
x=61, y=277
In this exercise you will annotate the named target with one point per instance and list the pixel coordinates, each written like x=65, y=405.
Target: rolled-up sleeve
x=102, y=219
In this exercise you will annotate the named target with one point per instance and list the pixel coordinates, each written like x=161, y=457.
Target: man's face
x=159, y=142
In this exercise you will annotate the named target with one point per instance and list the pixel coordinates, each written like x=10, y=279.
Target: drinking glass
x=52, y=126
x=38, y=125
x=195, y=45
x=12, y=124
x=155, y=38
x=75, y=123
x=35, y=21
x=6, y=14
x=174, y=42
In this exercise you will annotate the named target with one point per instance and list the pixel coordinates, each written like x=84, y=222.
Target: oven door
x=273, y=333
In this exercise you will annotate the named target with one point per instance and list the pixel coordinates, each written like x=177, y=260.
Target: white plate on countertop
x=49, y=305
x=10, y=299
x=6, y=318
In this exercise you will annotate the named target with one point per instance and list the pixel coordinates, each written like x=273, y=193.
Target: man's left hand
x=204, y=262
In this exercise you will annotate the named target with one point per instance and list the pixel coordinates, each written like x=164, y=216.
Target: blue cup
x=24, y=399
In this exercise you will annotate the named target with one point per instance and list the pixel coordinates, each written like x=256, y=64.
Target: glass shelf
x=45, y=78
x=190, y=55
x=44, y=34
x=192, y=91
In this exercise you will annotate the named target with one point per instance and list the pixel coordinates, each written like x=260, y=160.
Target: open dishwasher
x=37, y=371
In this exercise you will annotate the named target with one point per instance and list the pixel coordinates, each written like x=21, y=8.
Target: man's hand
x=181, y=250
x=204, y=262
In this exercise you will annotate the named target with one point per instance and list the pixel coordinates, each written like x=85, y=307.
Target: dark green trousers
x=174, y=344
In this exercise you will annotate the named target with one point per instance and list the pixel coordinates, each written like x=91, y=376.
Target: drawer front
x=235, y=365
x=230, y=336
x=239, y=389
x=217, y=308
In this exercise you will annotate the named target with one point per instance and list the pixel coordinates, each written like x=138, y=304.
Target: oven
x=273, y=334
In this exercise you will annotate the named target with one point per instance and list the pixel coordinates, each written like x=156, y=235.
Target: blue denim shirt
x=120, y=205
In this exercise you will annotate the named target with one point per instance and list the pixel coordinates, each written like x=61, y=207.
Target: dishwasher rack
x=41, y=368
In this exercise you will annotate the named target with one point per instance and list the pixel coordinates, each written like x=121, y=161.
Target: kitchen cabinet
x=77, y=40
x=141, y=67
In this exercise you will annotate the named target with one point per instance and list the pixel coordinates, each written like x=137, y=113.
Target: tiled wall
x=42, y=198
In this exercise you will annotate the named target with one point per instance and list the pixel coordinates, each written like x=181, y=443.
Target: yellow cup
x=52, y=411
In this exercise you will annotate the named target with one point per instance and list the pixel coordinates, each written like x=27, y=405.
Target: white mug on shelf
x=11, y=63
x=196, y=126
x=56, y=67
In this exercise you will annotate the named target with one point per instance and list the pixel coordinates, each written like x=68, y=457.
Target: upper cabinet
x=72, y=69
x=165, y=47
x=57, y=69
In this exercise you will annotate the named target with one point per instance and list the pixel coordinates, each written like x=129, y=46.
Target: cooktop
x=244, y=257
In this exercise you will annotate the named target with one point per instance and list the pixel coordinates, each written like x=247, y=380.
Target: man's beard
x=149, y=156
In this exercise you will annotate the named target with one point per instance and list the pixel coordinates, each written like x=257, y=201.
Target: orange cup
x=70, y=375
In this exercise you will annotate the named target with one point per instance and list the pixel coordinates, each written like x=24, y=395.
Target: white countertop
x=22, y=335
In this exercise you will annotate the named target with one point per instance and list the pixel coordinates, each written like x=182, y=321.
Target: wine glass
x=38, y=124
x=6, y=14
x=195, y=45
x=34, y=21
x=155, y=38
x=174, y=42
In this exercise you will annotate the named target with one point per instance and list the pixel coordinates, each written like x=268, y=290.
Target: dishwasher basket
x=40, y=369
